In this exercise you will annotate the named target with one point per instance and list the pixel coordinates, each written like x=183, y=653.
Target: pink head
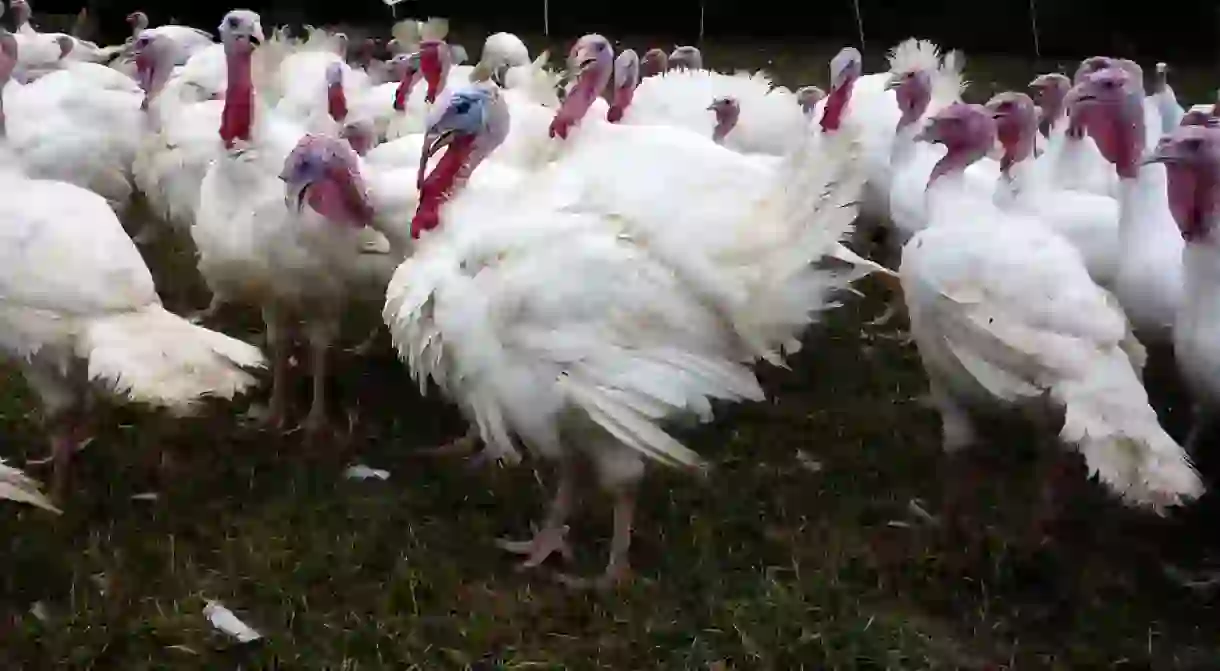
x=65, y=46
x=626, y=79
x=655, y=62
x=1133, y=69
x=1161, y=82
x=1191, y=155
x=1076, y=124
x=1016, y=121
x=686, y=58
x=845, y=69
x=138, y=22
x=336, y=99
x=1092, y=64
x=1112, y=108
x=727, y=110
x=8, y=63
x=470, y=124
x=154, y=56
x=808, y=98
x=913, y=90
x=968, y=132
x=1200, y=117
x=323, y=172
x=591, y=62
x=409, y=73
x=1050, y=91
x=21, y=12
x=359, y=134
x=434, y=62
x=366, y=52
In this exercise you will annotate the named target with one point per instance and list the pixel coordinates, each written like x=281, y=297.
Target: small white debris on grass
x=223, y=619
x=808, y=462
x=362, y=472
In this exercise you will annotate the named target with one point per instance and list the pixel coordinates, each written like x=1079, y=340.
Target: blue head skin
x=458, y=120
x=470, y=123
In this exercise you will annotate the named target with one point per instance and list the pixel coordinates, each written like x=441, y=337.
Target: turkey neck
x=237, y=115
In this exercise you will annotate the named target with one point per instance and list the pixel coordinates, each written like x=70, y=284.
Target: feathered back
x=949, y=82
x=915, y=55
x=536, y=81
x=266, y=62
x=912, y=55
x=407, y=34
x=434, y=29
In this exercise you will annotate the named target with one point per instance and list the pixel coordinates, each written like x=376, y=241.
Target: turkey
x=1088, y=220
x=66, y=127
x=17, y=486
x=1004, y=314
x=45, y=47
x=577, y=329
x=769, y=118
x=79, y=308
x=1148, y=280
x=1191, y=156
x=185, y=41
x=293, y=264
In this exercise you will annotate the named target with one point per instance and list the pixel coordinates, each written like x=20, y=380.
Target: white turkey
x=79, y=309
x=1004, y=314
x=578, y=329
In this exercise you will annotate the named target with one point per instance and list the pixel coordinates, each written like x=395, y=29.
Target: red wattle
x=336, y=102
x=438, y=186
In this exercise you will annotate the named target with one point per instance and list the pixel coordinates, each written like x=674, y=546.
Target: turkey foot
x=458, y=447
x=537, y=550
x=318, y=430
x=147, y=235
x=614, y=576
x=209, y=312
x=366, y=346
x=51, y=455
x=267, y=416
x=553, y=537
x=618, y=569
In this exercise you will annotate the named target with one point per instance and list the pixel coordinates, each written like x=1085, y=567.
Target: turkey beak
x=583, y=59
x=927, y=134
x=1166, y=152
x=294, y=196
x=296, y=188
x=433, y=142
x=256, y=35
x=893, y=83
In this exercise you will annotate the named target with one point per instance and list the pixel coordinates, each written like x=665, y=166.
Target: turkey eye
x=234, y=22
x=461, y=107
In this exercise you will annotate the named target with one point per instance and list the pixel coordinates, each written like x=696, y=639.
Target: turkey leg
x=552, y=537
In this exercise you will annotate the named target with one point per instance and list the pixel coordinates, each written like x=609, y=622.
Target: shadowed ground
x=806, y=548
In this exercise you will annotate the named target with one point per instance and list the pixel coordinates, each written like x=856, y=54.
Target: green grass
x=769, y=564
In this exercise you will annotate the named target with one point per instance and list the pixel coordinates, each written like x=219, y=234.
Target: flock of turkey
x=577, y=258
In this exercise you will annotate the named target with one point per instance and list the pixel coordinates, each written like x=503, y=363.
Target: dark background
x=1180, y=31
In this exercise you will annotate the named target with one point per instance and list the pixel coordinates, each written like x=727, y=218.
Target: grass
x=802, y=551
